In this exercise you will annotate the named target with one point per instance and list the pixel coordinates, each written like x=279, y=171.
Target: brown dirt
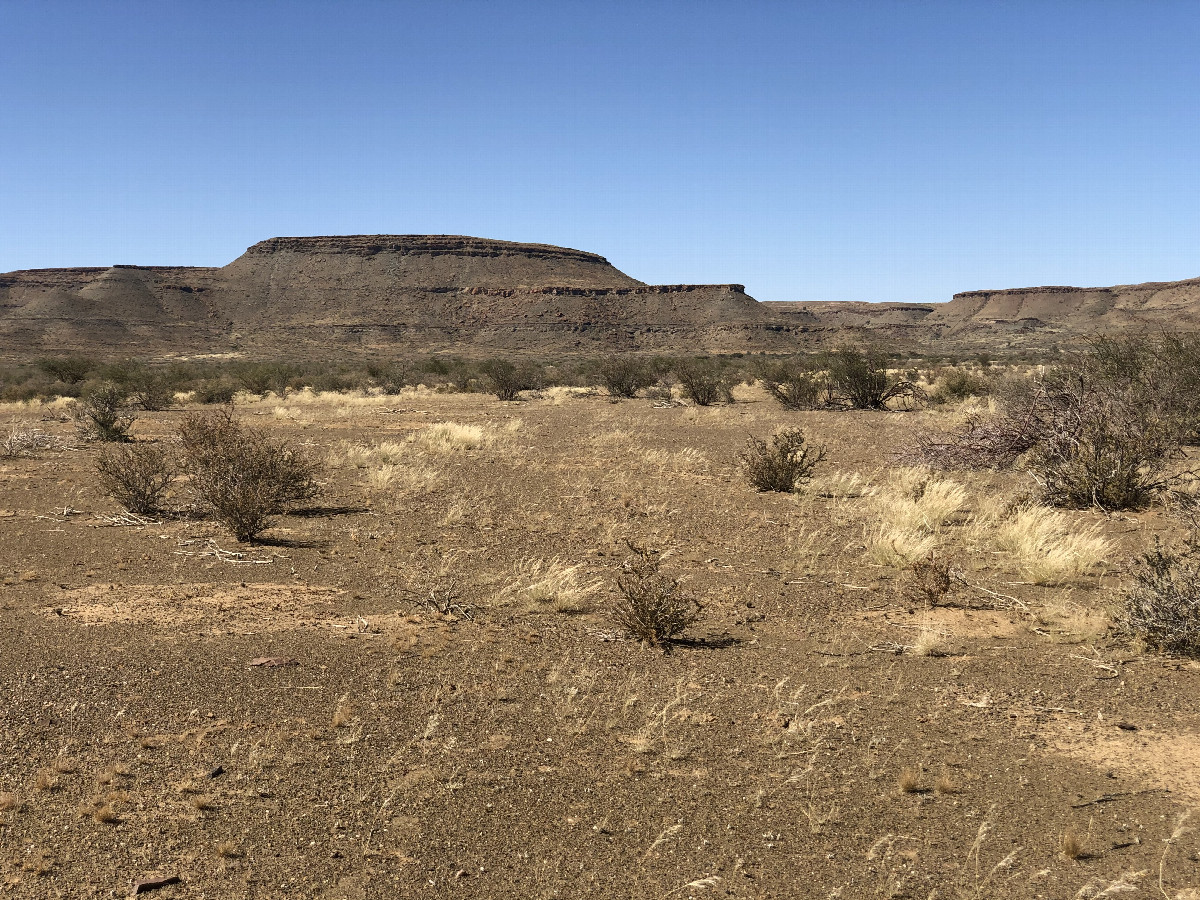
x=506, y=748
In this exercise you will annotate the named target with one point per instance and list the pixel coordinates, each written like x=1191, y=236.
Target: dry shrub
x=653, y=607
x=103, y=414
x=781, y=465
x=1163, y=606
x=241, y=475
x=702, y=382
x=931, y=579
x=136, y=475
x=25, y=442
x=1098, y=431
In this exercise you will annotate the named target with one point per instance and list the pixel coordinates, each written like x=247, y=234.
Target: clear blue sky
x=813, y=151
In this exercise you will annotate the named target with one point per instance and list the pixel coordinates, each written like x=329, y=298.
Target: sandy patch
x=1153, y=758
x=206, y=608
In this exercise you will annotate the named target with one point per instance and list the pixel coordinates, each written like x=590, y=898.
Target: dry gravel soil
x=512, y=742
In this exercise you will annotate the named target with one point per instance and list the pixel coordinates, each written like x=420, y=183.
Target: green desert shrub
x=624, y=376
x=506, y=380
x=103, y=413
x=703, y=382
x=782, y=464
x=797, y=387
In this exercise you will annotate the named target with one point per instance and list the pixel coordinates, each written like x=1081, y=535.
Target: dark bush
x=507, y=380
x=860, y=379
x=67, y=369
x=215, y=390
x=1163, y=606
x=703, y=382
x=624, y=376
x=103, y=414
x=240, y=474
x=782, y=464
x=136, y=475
x=653, y=607
x=264, y=377
x=797, y=387
x=959, y=384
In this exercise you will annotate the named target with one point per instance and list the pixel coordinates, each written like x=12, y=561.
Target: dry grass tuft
x=553, y=584
x=1071, y=845
x=912, y=507
x=909, y=781
x=227, y=850
x=946, y=784
x=9, y=802
x=443, y=438
x=343, y=715
x=1049, y=546
x=929, y=643
x=45, y=781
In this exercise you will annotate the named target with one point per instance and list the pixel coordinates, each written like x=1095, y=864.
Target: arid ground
x=413, y=687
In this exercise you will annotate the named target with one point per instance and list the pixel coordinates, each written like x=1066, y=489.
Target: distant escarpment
x=411, y=294
x=393, y=293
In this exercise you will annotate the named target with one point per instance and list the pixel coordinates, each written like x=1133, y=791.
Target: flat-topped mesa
x=361, y=267
x=418, y=244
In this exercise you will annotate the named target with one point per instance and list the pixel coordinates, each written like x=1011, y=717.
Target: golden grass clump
x=912, y=508
x=1049, y=546
x=443, y=438
x=553, y=584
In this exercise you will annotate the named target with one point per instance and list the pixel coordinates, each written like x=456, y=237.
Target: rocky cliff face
x=406, y=293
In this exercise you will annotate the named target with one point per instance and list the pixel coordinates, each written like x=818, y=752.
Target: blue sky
x=812, y=151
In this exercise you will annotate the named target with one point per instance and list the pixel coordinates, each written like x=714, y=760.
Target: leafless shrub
x=22, y=441
x=103, y=414
x=240, y=474
x=653, y=607
x=136, y=475
x=860, y=379
x=1163, y=605
x=1100, y=431
x=782, y=464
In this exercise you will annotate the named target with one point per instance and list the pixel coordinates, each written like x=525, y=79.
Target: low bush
x=959, y=384
x=797, y=387
x=506, y=380
x=860, y=379
x=240, y=474
x=103, y=414
x=653, y=607
x=782, y=464
x=624, y=376
x=136, y=475
x=703, y=383
x=1163, y=606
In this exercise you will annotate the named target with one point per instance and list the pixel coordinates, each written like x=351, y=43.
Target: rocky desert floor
x=413, y=687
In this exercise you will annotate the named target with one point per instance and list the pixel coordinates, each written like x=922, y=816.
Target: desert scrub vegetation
x=1162, y=608
x=507, y=380
x=846, y=378
x=703, y=382
x=652, y=607
x=552, y=584
x=136, y=475
x=1103, y=429
x=103, y=414
x=624, y=376
x=25, y=441
x=239, y=474
x=783, y=464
